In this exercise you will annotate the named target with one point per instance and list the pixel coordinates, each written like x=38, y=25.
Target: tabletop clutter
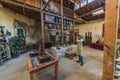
x=68, y=51
x=39, y=57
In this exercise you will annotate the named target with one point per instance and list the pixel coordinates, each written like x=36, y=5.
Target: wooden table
x=42, y=66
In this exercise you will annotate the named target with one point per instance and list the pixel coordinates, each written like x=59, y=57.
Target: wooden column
x=42, y=26
x=74, y=25
x=110, y=36
x=56, y=69
x=62, y=18
x=42, y=30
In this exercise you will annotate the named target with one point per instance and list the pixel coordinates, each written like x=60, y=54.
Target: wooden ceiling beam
x=47, y=4
x=88, y=18
x=92, y=6
x=103, y=7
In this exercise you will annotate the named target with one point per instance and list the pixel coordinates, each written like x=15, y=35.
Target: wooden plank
x=47, y=4
x=74, y=25
x=110, y=36
x=42, y=25
x=92, y=6
x=90, y=12
x=62, y=18
x=56, y=69
x=52, y=14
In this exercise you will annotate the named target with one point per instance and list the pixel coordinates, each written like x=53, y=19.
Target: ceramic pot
x=3, y=30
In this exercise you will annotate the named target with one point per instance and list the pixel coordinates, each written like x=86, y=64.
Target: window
x=89, y=1
x=84, y=2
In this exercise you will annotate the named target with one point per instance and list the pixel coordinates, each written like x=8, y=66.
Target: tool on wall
x=88, y=38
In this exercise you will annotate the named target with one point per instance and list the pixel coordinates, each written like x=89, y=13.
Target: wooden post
x=31, y=76
x=73, y=42
x=42, y=25
x=110, y=36
x=62, y=18
x=56, y=69
x=42, y=30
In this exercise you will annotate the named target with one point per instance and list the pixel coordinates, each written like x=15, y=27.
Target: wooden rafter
x=103, y=7
x=90, y=7
x=91, y=17
x=47, y=4
x=86, y=11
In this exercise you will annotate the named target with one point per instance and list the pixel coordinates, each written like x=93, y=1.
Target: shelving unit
x=67, y=27
x=5, y=53
x=54, y=31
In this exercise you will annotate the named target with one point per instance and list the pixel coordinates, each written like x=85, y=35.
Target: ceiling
x=32, y=10
x=86, y=12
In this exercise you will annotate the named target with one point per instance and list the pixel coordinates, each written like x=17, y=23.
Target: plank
x=42, y=25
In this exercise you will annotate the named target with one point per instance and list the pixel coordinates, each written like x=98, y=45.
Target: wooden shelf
x=68, y=25
x=52, y=22
x=53, y=30
x=66, y=30
x=3, y=35
x=1, y=26
x=4, y=51
x=5, y=58
x=4, y=43
x=70, y=19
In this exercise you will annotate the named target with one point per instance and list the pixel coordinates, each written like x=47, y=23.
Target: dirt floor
x=16, y=69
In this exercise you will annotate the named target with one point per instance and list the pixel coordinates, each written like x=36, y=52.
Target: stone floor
x=16, y=69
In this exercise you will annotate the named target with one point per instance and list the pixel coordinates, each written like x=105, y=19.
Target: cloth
x=80, y=47
x=80, y=51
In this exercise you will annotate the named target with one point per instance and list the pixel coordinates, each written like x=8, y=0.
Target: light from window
x=89, y=1
x=83, y=3
x=98, y=12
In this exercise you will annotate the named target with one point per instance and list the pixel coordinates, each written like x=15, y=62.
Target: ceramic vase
x=3, y=30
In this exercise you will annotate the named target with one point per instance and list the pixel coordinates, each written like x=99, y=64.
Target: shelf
x=68, y=25
x=70, y=19
x=1, y=26
x=52, y=22
x=7, y=57
x=66, y=30
x=4, y=43
x=53, y=30
x=2, y=35
x=4, y=51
